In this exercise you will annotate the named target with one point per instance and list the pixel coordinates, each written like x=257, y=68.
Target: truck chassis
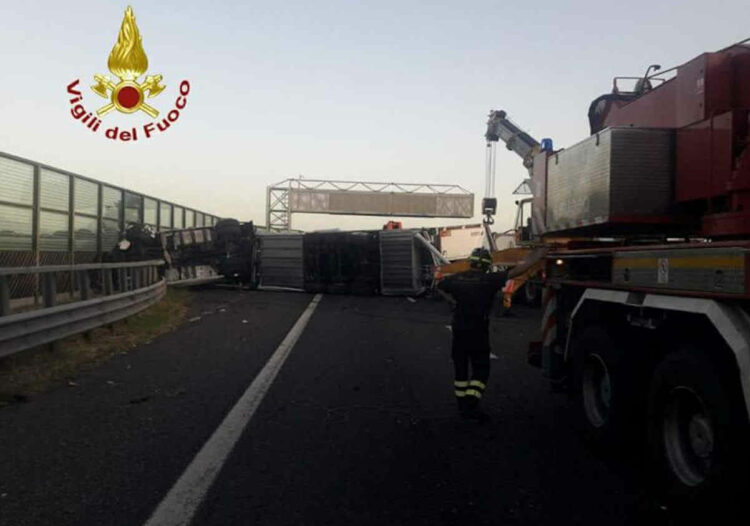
x=653, y=342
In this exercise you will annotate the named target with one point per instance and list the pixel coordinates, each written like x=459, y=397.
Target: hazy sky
x=383, y=91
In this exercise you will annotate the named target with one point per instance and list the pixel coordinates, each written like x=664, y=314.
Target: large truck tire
x=605, y=383
x=698, y=431
x=227, y=229
x=254, y=280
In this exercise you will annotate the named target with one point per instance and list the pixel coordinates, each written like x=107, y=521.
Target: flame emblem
x=128, y=61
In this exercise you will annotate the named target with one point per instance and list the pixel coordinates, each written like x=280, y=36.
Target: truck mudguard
x=730, y=321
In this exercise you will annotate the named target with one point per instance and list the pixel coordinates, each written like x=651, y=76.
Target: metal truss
x=363, y=186
x=524, y=188
x=279, y=215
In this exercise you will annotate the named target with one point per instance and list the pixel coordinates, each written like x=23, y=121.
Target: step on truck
x=645, y=235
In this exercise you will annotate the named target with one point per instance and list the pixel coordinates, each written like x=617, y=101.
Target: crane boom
x=501, y=128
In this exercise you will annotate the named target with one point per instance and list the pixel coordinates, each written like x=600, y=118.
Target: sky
x=391, y=91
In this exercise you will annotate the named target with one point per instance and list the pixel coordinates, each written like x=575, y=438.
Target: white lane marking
x=182, y=501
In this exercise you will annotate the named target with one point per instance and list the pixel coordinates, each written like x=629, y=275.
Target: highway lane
x=359, y=427
x=106, y=451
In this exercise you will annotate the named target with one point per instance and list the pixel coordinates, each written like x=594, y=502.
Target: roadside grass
x=34, y=371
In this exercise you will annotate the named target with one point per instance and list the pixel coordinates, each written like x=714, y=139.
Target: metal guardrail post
x=109, y=286
x=121, y=280
x=84, y=284
x=49, y=290
x=4, y=296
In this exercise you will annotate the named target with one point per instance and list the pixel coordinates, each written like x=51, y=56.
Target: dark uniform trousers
x=470, y=347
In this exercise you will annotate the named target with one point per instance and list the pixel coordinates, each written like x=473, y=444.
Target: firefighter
x=472, y=293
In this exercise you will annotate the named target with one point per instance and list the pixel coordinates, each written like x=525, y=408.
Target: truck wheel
x=254, y=278
x=605, y=392
x=696, y=431
x=227, y=229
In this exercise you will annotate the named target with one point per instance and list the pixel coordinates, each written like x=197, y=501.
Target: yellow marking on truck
x=699, y=262
x=509, y=257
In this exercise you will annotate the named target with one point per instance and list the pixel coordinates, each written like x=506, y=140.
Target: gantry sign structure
x=317, y=196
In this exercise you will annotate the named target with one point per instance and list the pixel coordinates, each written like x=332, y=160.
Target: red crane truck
x=647, y=304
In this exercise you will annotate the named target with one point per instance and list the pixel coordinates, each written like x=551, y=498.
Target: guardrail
x=102, y=293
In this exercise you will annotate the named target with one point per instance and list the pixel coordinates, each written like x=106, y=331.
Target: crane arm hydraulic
x=501, y=128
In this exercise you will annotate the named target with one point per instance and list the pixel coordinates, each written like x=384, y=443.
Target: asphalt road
x=359, y=427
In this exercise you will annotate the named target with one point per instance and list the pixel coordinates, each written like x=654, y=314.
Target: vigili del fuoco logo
x=128, y=62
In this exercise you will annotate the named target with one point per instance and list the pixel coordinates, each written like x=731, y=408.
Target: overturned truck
x=388, y=262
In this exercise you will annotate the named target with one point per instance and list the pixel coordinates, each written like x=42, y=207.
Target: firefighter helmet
x=480, y=259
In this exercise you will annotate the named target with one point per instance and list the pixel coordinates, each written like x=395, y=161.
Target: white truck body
x=457, y=242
